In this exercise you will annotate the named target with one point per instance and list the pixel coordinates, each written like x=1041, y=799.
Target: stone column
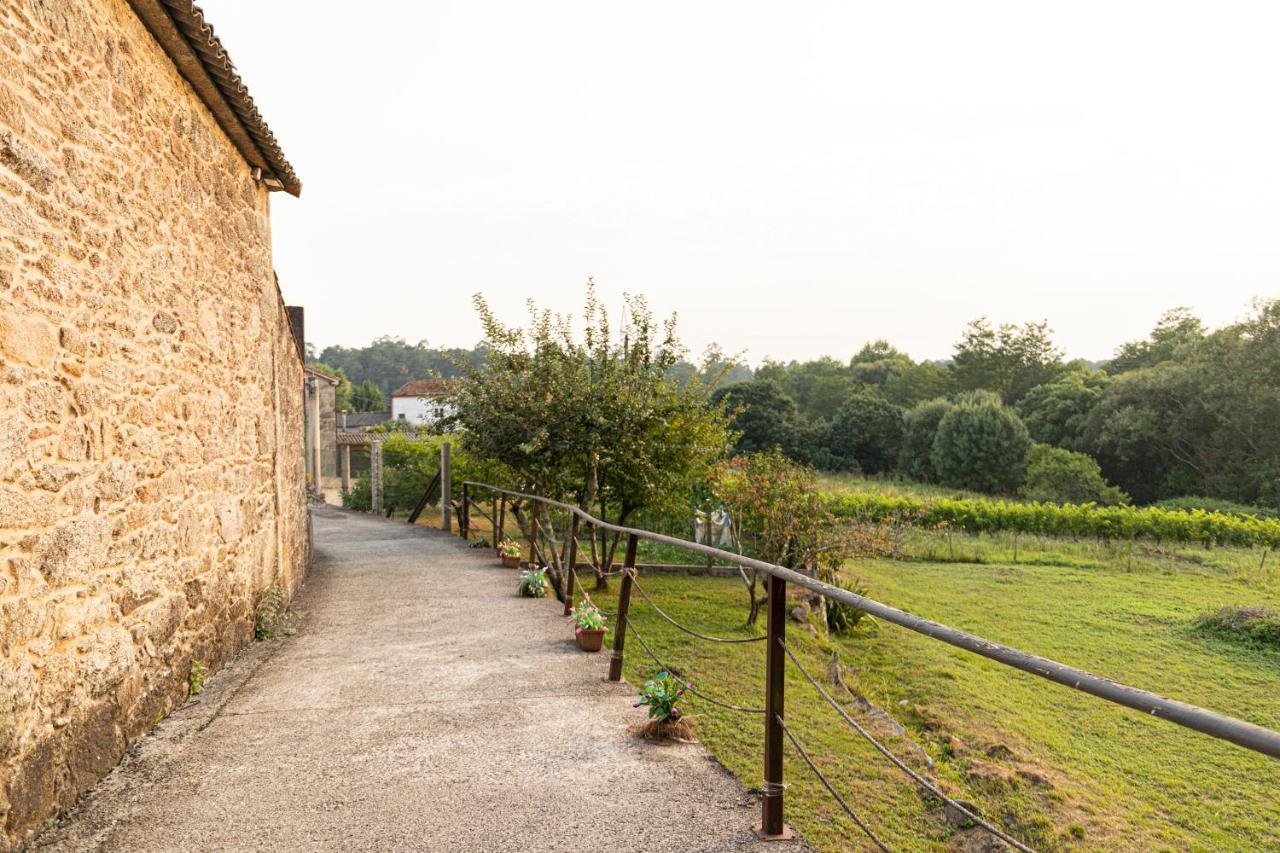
x=315, y=434
x=346, y=468
x=375, y=473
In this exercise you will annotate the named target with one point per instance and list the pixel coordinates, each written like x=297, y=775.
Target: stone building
x=320, y=398
x=151, y=425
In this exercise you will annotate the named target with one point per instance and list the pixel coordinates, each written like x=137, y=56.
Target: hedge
x=1048, y=519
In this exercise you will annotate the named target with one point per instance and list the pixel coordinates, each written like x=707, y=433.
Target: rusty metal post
x=501, y=516
x=464, y=514
x=624, y=602
x=571, y=561
x=772, y=826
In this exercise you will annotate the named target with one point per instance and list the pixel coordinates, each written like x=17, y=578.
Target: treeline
x=371, y=374
x=1185, y=411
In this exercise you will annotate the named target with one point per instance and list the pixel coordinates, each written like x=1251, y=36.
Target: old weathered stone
x=151, y=483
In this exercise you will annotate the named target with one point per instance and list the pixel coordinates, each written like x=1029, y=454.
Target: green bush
x=919, y=428
x=1058, y=413
x=981, y=445
x=1064, y=476
x=1217, y=505
x=1253, y=626
x=865, y=434
x=1047, y=519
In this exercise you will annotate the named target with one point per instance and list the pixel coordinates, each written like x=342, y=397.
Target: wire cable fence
x=778, y=653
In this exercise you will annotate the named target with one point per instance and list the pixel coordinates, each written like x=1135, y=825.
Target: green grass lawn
x=1061, y=769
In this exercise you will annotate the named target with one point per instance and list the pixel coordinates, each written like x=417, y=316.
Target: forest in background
x=1186, y=415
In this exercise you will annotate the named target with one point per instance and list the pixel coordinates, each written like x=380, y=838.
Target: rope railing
x=897, y=762
x=636, y=586
x=875, y=839
x=687, y=686
x=1219, y=726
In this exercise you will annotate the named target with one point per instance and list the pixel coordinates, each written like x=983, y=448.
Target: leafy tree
x=917, y=383
x=763, y=416
x=819, y=387
x=366, y=397
x=1178, y=328
x=594, y=418
x=866, y=434
x=342, y=394
x=1065, y=476
x=1202, y=422
x=1009, y=360
x=919, y=428
x=877, y=362
x=1057, y=413
x=389, y=362
x=981, y=445
x=779, y=516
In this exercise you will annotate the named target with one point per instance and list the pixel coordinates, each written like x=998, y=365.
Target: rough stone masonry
x=151, y=485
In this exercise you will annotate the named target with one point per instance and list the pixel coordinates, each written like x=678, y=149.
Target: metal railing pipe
x=1239, y=732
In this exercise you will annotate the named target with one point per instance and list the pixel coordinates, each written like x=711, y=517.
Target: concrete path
x=421, y=706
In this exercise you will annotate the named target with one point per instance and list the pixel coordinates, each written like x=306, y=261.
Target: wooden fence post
x=772, y=825
x=446, y=489
x=464, y=516
x=501, y=520
x=571, y=561
x=533, y=535
x=624, y=603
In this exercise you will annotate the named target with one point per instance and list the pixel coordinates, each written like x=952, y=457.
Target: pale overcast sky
x=791, y=178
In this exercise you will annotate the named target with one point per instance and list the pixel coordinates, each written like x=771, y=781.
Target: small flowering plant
x=508, y=548
x=586, y=616
x=661, y=694
x=533, y=584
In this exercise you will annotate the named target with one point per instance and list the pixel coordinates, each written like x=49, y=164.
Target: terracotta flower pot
x=590, y=639
x=510, y=562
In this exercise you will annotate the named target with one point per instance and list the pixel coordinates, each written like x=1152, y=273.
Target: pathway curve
x=421, y=706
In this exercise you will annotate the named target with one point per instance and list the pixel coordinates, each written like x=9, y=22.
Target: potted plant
x=533, y=583
x=588, y=625
x=509, y=552
x=666, y=720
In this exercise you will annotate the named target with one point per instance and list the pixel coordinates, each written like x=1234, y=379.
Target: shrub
x=763, y=415
x=1190, y=503
x=586, y=616
x=843, y=618
x=919, y=428
x=1253, y=626
x=272, y=618
x=1046, y=519
x=195, y=679
x=981, y=445
x=533, y=583
x=866, y=433
x=666, y=720
x=1064, y=476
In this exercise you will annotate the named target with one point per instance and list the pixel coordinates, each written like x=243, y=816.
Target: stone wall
x=151, y=473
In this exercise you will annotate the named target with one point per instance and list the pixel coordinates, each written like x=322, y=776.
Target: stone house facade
x=151, y=421
x=320, y=403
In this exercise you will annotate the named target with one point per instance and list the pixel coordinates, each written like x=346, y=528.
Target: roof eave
x=181, y=31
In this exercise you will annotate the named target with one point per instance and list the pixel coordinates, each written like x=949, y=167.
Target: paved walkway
x=421, y=706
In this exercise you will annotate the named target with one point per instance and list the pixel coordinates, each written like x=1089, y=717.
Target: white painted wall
x=423, y=411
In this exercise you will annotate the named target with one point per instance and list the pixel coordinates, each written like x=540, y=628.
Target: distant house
x=422, y=402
